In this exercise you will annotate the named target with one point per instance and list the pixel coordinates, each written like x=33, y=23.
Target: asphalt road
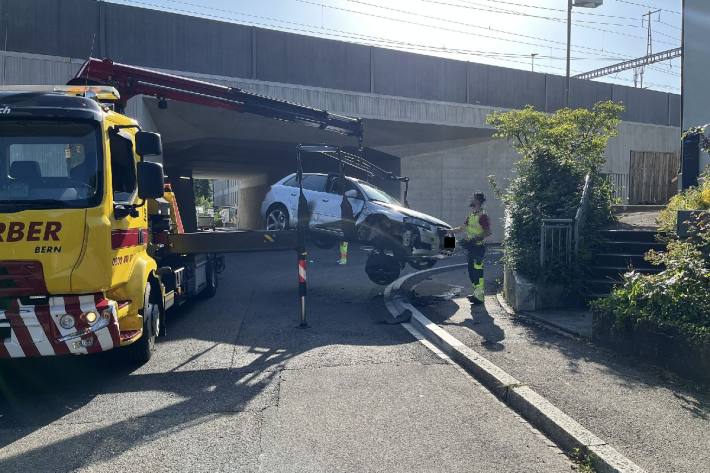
x=235, y=386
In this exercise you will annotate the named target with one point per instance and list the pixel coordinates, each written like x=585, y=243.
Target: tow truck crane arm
x=131, y=81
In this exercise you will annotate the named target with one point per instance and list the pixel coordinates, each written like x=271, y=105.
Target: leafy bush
x=676, y=299
x=693, y=198
x=557, y=151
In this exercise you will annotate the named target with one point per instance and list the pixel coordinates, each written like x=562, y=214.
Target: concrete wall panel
x=642, y=105
x=156, y=39
x=65, y=28
x=504, y=87
x=554, y=92
x=674, y=110
x=29, y=69
x=417, y=76
x=297, y=59
x=585, y=93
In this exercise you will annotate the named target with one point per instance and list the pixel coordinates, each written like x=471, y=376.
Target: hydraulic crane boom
x=131, y=81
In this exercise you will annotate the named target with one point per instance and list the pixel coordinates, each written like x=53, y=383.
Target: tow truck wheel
x=277, y=218
x=142, y=350
x=421, y=264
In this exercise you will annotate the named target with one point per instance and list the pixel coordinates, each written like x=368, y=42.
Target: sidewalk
x=653, y=419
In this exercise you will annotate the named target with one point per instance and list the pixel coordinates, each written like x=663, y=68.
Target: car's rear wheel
x=277, y=218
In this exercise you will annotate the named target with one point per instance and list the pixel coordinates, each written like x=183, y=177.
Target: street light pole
x=569, y=42
x=570, y=4
x=532, y=61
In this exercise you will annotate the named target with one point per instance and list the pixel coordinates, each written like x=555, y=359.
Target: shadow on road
x=252, y=320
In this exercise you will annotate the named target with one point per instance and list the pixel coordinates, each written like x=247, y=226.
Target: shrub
x=557, y=151
x=676, y=299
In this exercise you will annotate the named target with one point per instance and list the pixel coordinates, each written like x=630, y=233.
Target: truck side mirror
x=150, y=180
x=148, y=144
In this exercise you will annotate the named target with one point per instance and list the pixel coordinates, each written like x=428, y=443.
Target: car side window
x=340, y=187
x=315, y=182
x=291, y=182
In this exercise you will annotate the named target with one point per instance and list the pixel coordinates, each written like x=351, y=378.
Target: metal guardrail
x=560, y=237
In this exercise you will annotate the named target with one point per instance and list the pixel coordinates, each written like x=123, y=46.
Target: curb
x=558, y=426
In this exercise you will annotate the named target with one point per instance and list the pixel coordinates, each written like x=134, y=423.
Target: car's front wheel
x=277, y=218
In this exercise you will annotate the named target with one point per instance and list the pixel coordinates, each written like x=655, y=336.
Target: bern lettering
x=17, y=231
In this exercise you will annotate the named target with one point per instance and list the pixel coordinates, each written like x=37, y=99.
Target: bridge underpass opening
x=205, y=142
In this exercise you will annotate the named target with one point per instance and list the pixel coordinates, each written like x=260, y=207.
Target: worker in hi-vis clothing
x=478, y=228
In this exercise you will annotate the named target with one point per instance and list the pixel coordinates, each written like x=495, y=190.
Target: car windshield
x=373, y=193
x=48, y=164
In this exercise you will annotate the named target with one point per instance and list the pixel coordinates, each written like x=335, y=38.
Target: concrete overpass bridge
x=424, y=116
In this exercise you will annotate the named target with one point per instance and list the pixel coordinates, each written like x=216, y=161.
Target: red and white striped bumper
x=33, y=330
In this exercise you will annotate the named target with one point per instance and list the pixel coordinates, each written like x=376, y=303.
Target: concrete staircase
x=617, y=252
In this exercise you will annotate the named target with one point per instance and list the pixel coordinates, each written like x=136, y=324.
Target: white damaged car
x=380, y=220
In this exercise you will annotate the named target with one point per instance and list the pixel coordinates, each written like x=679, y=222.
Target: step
x=599, y=286
x=621, y=260
x=628, y=247
x=616, y=272
x=629, y=235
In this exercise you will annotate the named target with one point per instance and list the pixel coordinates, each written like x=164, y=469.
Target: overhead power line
x=632, y=64
x=646, y=5
x=446, y=20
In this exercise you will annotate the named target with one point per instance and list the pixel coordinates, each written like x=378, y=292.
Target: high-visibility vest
x=474, y=228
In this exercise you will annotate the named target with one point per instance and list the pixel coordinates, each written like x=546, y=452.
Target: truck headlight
x=67, y=321
x=90, y=317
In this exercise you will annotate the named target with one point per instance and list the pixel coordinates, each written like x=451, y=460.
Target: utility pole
x=646, y=18
x=532, y=61
x=569, y=41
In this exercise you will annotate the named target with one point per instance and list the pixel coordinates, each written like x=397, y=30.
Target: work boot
x=474, y=300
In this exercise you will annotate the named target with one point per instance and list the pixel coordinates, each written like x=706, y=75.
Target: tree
x=203, y=190
x=557, y=151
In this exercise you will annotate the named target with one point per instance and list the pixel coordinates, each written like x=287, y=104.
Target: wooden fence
x=652, y=177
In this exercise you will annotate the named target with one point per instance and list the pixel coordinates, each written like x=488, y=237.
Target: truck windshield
x=48, y=164
x=378, y=195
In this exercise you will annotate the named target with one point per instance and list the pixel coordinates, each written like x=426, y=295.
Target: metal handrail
x=563, y=235
x=580, y=217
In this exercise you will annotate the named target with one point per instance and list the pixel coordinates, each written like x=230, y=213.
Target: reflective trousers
x=475, y=270
x=343, y=252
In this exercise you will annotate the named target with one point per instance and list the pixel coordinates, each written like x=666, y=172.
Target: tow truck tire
x=212, y=281
x=140, y=351
x=421, y=264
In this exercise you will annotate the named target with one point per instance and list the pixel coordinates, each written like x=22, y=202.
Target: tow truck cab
x=76, y=275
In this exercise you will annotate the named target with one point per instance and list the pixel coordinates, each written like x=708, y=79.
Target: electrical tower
x=646, y=19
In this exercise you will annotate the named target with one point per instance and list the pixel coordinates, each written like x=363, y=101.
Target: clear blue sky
x=499, y=32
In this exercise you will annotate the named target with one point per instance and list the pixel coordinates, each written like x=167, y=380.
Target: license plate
x=449, y=242
x=5, y=333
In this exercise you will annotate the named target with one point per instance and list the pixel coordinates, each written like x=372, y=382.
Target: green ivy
x=557, y=151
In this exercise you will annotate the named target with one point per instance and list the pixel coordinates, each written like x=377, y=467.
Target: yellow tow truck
x=92, y=247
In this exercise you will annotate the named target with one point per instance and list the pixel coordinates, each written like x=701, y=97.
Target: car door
x=330, y=209
x=314, y=188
